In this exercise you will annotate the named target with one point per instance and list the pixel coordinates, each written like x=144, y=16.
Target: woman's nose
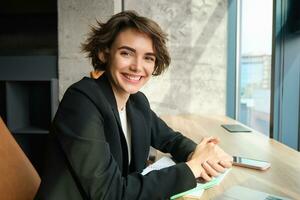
x=136, y=65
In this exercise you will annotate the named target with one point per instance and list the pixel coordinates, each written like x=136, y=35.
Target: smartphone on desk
x=251, y=163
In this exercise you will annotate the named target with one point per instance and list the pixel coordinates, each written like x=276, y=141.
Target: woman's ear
x=102, y=57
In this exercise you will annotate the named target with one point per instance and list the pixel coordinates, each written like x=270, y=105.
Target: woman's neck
x=121, y=98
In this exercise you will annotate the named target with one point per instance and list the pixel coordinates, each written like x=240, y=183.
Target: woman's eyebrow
x=133, y=50
x=128, y=48
x=150, y=54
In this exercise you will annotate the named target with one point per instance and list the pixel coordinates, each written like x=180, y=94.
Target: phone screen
x=251, y=162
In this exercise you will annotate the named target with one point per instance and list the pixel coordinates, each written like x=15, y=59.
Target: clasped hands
x=208, y=160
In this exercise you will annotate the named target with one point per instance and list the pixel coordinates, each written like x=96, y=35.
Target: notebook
x=202, y=186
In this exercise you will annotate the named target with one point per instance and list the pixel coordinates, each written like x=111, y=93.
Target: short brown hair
x=102, y=36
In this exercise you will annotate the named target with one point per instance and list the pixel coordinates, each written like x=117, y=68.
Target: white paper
x=160, y=164
x=195, y=194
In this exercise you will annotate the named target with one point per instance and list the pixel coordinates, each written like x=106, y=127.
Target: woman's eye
x=150, y=58
x=125, y=53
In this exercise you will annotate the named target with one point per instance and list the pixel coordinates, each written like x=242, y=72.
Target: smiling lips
x=132, y=78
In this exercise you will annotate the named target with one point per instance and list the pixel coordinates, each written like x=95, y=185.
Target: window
x=269, y=104
x=254, y=51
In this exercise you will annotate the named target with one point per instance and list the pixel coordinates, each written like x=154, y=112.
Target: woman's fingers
x=211, y=139
x=214, y=140
x=208, y=150
x=226, y=164
x=207, y=139
x=216, y=166
x=209, y=170
x=205, y=176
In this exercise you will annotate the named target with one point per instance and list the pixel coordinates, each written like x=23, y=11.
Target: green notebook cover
x=203, y=186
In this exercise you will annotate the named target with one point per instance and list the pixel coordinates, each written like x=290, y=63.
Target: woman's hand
x=208, y=159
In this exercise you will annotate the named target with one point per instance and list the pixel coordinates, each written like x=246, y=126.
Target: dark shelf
x=29, y=104
x=2, y=101
x=42, y=67
x=28, y=72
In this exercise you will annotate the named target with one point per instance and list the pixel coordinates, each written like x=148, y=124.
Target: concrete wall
x=196, y=79
x=74, y=19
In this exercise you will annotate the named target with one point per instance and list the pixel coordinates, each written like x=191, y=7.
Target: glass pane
x=255, y=64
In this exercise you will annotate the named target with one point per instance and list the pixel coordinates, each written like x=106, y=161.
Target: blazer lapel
x=105, y=86
x=139, y=146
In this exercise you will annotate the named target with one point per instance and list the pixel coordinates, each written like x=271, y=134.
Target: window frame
x=282, y=94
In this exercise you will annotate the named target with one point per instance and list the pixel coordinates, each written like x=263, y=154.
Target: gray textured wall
x=196, y=79
x=74, y=19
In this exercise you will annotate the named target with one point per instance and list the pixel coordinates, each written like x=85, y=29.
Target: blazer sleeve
x=167, y=140
x=163, y=137
x=79, y=127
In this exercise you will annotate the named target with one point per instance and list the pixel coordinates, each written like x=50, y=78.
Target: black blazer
x=87, y=155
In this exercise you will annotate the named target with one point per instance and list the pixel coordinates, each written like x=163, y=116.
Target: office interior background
x=238, y=58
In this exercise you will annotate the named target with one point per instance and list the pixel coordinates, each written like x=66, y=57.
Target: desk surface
x=283, y=178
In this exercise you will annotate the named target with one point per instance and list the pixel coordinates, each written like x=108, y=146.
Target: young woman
x=104, y=127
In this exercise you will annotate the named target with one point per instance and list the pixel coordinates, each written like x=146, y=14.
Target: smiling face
x=131, y=62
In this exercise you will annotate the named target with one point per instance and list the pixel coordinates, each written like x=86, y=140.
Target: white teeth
x=134, y=78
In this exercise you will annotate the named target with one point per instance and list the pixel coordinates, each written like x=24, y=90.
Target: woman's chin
x=133, y=91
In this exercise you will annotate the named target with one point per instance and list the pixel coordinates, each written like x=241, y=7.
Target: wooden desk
x=283, y=178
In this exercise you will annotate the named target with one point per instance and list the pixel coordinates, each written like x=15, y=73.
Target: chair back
x=18, y=178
